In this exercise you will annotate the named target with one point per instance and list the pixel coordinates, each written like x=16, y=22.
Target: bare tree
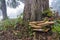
x=3, y=8
x=13, y=3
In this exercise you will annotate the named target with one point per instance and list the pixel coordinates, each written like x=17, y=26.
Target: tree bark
x=34, y=8
x=45, y=4
x=3, y=8
x=27, y=10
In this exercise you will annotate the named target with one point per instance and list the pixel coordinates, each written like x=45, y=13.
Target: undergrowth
x=18, y=26
x=56, y=26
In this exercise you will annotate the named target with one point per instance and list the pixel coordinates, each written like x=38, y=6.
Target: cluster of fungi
x=41, y=28
x=40, y=25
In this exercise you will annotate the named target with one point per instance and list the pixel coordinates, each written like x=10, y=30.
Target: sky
x=50, y=2
x=13, y=13
x=56, y=5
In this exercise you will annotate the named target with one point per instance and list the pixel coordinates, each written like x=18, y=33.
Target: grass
x=10, y=23
x=56, y=26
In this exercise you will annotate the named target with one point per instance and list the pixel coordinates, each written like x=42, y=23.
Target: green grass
x=10, y=23
x=56, y=26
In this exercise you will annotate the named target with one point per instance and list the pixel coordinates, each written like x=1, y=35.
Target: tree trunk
x=27, y=10
x=3, y=8
x=45, y=4
x=34, y=8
